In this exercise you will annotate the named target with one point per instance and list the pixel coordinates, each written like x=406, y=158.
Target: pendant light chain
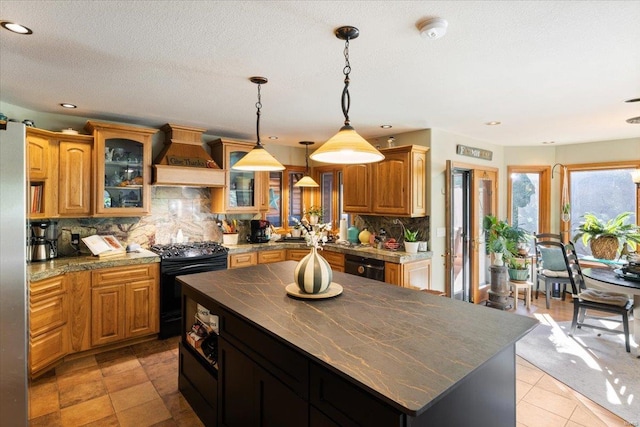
x=258, y=107
x=346, y=98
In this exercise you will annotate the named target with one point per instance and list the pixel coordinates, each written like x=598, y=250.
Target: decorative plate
x=333, y=290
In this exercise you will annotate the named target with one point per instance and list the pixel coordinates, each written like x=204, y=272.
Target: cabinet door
x=243, y=260
x=38, y=156
x=246, y=191
x=108, y=314
x=47, y=348
x=390, y=195
x=252, y=396
x=417, y=275
x=392, y=273
x=236, y=399
x=142, y=308
x=79, y=284
x=74, y=184
x=357, y=188
x=123, y=169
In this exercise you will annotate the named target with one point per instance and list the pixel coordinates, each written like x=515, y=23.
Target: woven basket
x=604, y=247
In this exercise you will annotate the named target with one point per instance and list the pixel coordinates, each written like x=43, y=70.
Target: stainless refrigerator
x=13, y=276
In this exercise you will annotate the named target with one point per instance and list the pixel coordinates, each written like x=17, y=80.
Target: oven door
x=171, y=290
x=364, y=267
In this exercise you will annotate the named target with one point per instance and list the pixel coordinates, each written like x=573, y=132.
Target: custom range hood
x=183, y=160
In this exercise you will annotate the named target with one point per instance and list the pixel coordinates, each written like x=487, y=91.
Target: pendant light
x=306, y=180
x=258, y=159
x=347, y=147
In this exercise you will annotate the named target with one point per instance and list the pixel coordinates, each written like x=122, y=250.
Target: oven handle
x=177, y=271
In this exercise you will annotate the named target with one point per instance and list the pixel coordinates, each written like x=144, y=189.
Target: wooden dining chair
x=594, y=299
x=550, y=264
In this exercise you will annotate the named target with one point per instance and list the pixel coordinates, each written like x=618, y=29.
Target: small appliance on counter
x=260, y=231
x=44, y=240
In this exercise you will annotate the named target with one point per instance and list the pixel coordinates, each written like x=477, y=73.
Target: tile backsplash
x=188, y=209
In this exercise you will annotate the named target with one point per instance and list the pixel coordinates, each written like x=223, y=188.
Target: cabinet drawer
x=46, y=288
x=281, y=361
x=334, y=258
x=271, y=256
x=243, y=260
x=47, y=348
x=109, y=276
x=336, y=397
x=297, y=254
x=47, y=314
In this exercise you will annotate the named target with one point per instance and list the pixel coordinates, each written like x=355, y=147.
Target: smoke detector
x=433, y=28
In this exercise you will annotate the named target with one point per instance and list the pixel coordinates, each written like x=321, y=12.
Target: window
x=285, y=200
x=604, y=189
x=331, y=195
x=528, y=198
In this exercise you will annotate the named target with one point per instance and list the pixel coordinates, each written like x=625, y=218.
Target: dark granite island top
x=407, y=348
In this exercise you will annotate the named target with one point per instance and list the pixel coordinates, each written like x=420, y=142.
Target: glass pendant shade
x=258, y=159
x=347, y=147
x=306, y=181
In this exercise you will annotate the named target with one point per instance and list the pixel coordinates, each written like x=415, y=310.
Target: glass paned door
x=123, y=174
x=241, y=192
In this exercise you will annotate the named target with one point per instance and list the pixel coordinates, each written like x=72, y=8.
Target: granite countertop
x=55, y=267
x=406, y=347
x=397, y=257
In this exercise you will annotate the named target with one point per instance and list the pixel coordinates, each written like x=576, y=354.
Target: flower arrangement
x=315, y=210
x=314, y=234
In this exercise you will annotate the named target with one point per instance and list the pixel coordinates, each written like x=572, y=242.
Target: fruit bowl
x=391, y=245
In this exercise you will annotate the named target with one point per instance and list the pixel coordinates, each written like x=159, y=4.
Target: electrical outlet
x=75, y=239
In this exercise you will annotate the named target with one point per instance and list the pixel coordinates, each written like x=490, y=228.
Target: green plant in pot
x=411, y=240
x=497, y=242
x=608, y=239
x=518, y=268
x=315, y=214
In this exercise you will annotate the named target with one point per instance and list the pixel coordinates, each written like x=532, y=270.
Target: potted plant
x=608, y=238
x=315, y=214
x=518, y=268
x=496, y=240
x=411, y=241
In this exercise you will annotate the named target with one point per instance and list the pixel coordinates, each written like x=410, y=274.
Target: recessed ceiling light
x=386, y=126
x=67, y=105
x=633, y=100
x=548, y=142
x=273, y=137
x=493, y=123
x=634, y=120
x=15, y=28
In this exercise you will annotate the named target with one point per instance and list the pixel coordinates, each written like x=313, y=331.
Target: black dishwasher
x=364, y=267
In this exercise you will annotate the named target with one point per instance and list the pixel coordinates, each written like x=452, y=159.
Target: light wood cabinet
x=245, y=191
x=124, y=303
x=414, y=275
x=122, y=169
x=37, y=154
x=41, y=174
x=243, y=260
x=335, y=260
x=296, y=254
x=74, y=182
x=400, y=184
x=48, y=332
x=79, y=289
x=357, y=188
x=266, y=257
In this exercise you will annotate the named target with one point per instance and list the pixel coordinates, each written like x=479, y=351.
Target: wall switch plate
x=75, y=239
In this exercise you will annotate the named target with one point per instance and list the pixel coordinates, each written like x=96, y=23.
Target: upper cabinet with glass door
x=123, y=169
x=245, y=191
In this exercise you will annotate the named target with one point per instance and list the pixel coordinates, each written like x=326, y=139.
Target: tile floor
x=138, y=386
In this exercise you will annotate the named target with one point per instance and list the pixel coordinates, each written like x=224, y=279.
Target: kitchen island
x=375, y=355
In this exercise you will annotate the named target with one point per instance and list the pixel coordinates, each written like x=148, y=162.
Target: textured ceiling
x=549, y=71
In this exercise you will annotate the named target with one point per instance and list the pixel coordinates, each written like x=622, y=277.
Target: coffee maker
x=44, y=240
x=39, y=246
x=260, y=231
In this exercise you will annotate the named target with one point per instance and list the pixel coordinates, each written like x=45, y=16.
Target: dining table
x=608, y=279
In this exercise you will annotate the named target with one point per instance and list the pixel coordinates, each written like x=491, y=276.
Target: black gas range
x=180, y=259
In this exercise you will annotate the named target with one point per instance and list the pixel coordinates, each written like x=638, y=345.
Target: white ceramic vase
x=497, y=259
x=313, y=219
x=313, y=273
